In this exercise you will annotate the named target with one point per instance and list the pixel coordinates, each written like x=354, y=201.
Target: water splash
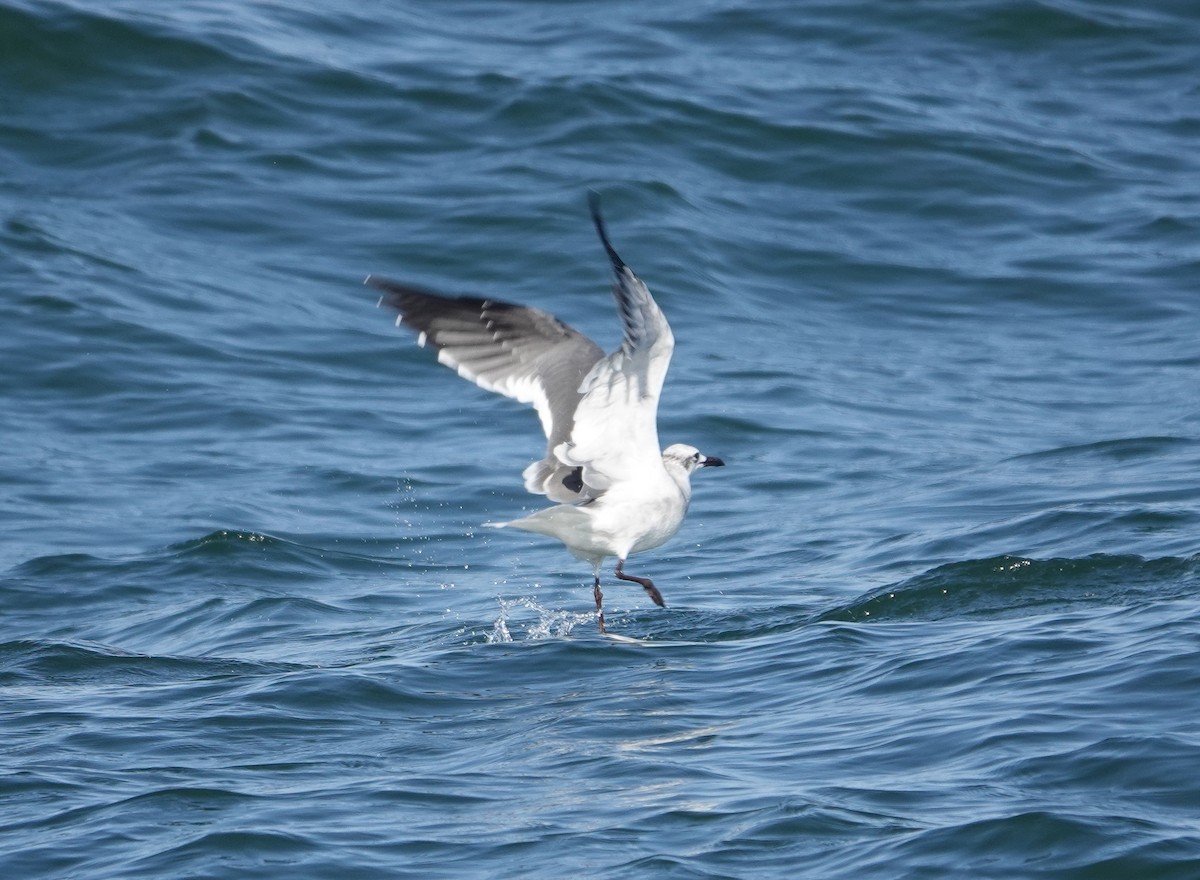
x=547, y=623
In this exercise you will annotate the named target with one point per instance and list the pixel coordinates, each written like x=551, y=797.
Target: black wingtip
x=392, y=293
x=598, y=220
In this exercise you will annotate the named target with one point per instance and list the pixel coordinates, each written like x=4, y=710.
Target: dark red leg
x=647, y=584
x=599, y=608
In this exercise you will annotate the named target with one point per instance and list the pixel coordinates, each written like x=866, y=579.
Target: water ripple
x=931, y=269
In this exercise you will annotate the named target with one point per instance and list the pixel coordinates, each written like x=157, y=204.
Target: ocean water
x=934, y=273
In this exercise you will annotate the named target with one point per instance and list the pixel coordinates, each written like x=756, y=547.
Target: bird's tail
x=560, y=521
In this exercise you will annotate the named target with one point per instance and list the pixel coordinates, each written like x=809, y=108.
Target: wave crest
x=1016, y=585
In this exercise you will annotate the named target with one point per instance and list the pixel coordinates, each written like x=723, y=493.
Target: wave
x=1016, y=585
x=1119, y=449
x=220, y=545
x=54, y=46
x=45, y=662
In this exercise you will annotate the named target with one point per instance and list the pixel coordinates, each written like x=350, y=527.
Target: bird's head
x=689, y=457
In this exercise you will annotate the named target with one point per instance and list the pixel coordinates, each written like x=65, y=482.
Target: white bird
x=617, y=493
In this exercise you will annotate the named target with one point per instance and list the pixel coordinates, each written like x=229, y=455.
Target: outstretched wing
x=522, y=353
x=615, y=433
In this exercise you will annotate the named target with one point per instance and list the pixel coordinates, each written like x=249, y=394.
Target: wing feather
x=615, y=435
x=599, y=413
x=522, y=353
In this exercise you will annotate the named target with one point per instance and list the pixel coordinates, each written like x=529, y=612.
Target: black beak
x=712, y=461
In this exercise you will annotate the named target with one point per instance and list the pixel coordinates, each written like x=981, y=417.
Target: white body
x=632, y=516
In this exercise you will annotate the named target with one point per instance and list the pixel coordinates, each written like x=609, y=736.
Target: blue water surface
x=934, y=273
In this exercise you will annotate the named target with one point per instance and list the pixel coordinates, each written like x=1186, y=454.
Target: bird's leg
x=599, y=608
x=647, y=584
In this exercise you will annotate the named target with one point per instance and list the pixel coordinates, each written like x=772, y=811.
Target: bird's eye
x=696, y=457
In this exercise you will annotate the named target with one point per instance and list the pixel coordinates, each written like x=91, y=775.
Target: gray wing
x=522, y=353
x=615, y=436
x=642, y=320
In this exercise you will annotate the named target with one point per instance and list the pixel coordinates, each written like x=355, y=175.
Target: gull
x=617, y=493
